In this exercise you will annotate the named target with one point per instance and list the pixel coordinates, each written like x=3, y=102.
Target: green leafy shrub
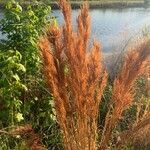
x=23, y=94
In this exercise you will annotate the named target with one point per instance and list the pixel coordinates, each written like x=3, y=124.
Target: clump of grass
x=123, y=87
x=76, y=77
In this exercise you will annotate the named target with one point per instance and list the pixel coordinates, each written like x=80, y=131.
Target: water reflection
x=112, y=27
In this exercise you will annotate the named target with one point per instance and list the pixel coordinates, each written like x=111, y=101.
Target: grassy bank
x=93, y=3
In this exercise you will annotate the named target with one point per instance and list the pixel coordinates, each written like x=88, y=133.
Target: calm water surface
x=113, y=27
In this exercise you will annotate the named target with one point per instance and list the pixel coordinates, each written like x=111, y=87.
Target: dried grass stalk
x=123, y=88
x=29, y=136
x=135, y=131
x=76, y=78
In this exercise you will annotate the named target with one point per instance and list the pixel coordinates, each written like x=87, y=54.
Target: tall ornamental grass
x=76, y=77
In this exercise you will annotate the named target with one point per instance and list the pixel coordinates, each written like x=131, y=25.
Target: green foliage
x=22, y=28
x=104, y=105
x=19, y=54
x=10, y=85
x=23, y=94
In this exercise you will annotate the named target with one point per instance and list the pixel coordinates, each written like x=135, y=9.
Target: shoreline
x=103, y=5
x=95, y=4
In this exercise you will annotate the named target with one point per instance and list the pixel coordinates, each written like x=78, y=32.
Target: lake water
x=113, y=27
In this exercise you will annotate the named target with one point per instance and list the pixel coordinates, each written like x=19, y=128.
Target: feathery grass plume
x=123, y=88
x=76, y=78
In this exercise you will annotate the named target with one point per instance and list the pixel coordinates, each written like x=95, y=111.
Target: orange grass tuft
x=76, y=78
x=123, y=88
